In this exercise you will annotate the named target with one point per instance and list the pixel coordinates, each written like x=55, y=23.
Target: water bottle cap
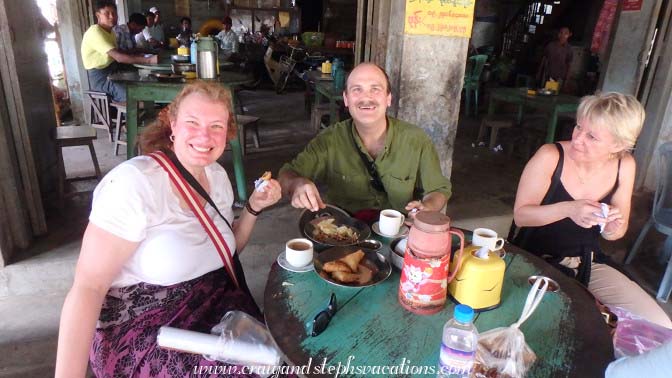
x=463, y=313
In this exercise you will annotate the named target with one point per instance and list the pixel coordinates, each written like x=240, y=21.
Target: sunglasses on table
x=322, y=319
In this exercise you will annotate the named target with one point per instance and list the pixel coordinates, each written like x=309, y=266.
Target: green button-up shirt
x=408, y=167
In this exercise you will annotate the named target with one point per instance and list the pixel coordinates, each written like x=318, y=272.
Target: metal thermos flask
x=206, y=60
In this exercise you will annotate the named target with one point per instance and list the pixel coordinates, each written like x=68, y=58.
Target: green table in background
x=139, y=88
x=554, y=105
x=566, y=331
x=326, y=89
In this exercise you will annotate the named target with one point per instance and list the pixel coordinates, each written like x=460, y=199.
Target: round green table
x=371, y=329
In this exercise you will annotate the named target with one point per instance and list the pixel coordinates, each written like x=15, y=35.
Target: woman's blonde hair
x=157, y=135
x=622, y=115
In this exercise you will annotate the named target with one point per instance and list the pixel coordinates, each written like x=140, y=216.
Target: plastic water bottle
x=193, y=52
x=458, y=344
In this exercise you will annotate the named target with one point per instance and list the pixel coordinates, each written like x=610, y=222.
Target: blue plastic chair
x=661, y=217
x=472, y=80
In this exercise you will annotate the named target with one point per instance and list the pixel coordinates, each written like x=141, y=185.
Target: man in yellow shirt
x=101, y=55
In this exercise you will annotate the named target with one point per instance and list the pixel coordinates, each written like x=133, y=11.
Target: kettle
x=479, y=280
x=206, y=58
x=425, y=273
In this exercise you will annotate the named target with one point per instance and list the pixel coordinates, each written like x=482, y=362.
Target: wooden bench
x=246, y=122
x=69, y=136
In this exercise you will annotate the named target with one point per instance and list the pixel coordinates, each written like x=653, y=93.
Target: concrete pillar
x=426, y=75
x=73, y=20
x=625, y=64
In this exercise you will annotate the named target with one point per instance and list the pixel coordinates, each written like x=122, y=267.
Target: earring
x=172, y=138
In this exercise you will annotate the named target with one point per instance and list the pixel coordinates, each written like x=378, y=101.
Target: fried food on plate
x=345, y=277
x=353, y=260
x=336, y=266
x=348, y=269
x=327, y=229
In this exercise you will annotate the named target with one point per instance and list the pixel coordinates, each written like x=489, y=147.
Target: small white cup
x=299, y=252
x=390, y=221
x=485, y=237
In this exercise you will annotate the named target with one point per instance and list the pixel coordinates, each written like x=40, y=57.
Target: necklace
x=581, y=179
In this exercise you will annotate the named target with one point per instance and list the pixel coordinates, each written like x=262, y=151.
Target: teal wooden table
x=371, y=329
x=147, y=88
x=554, y=105
x=326, y=89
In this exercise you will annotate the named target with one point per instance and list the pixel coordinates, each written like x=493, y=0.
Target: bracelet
x=252, y=211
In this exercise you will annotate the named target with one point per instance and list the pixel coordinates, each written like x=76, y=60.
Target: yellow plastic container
x=183, y=51
x=479, y=281
x=326, y=67
x=552, y=86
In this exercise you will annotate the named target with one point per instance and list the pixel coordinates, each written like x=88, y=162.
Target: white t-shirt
x=135, y=201
x=140, y=40
x=153, y=32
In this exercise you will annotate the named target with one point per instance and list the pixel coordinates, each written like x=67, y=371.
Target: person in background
x=125, y=33
x=565, y=191
x=156, y=30
x=146, y=260
x=228, y=39
x=145, y=40
x=185, y=33
x=100, y=53
x=557, y=59
x=370, y=162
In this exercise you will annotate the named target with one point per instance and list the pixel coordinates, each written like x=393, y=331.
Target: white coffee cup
x=390, y=221
x=485, y=237
x=299, y=252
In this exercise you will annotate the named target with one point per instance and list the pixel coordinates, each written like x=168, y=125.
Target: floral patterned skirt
x=125, y=345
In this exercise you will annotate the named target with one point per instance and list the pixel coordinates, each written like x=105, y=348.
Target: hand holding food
x=268, y=196
x=262, y=181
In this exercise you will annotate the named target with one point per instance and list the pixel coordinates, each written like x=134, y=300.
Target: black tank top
x=563, y=238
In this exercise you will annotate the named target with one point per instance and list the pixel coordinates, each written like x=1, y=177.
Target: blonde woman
x=560, y=195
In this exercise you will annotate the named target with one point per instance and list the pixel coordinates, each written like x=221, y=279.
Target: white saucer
x=282, y=261
x=403, y=230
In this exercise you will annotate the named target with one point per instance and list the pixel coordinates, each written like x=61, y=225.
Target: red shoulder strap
x=190, y=197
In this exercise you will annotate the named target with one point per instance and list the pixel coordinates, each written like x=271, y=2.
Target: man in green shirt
x=371, y=161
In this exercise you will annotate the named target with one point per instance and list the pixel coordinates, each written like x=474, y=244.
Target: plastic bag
x=635, y=335
x=238, y=339
x=503, y=352
x=245, y=341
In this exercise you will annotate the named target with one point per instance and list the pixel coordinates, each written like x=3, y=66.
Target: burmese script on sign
x=452, y=18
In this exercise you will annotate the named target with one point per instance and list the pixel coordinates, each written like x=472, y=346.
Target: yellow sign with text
x=452, y=18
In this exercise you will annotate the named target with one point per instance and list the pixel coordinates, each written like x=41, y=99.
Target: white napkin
x=604, y=214
x=260, y=184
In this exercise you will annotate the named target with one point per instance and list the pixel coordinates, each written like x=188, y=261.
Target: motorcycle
x=281, y=68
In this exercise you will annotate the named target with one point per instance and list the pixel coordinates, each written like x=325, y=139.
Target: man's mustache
x=366, y=104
